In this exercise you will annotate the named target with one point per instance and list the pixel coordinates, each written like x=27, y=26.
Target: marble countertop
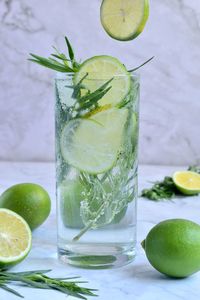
x=138, y=280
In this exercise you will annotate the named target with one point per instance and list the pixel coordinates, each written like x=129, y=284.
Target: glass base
x=97, y=256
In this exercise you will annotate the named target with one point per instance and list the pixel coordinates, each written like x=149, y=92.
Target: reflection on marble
x=170, y=96
x=136, y=281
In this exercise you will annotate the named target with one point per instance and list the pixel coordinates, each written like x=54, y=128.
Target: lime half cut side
x=100, y=69
x=15, y=238
x=124, y=20
x=92, y=145
x=187, y=182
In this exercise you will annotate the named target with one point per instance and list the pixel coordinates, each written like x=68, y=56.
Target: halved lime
x=15, y=238
x=100, y=69
x=187, y=182
x=92, y=144
x=124, y=20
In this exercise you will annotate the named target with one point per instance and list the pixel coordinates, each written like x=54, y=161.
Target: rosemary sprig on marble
x=38, y=279
x=166, y=189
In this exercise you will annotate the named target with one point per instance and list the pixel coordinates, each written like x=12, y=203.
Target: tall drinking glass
x=96, y=166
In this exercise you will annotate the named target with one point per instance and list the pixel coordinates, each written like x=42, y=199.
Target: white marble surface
x=135, y=281
x=170, y=103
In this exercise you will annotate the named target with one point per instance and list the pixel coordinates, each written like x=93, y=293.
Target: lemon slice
x=100, y=69
x=187, y=182
x=92, y=145
x=15, y=238
x=124, y=20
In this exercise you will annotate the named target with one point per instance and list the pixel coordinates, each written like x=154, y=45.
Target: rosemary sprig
x=165, y=189
x=146, y=62
x=61, y=63
x=38, y=279
x=91, y=98
x=161, y=190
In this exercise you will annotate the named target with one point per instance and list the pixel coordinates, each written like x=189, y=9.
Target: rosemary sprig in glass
x=38, y=279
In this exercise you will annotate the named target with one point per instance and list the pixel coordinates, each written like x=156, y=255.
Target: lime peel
x=187, y=182
x=124, y=20
x=15, y=236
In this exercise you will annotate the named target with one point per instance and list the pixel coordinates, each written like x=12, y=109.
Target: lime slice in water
x=92, y=145
x=100, y=69
x=15, y=238
x=124, y=20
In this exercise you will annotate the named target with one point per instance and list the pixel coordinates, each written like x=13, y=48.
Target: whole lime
x=173, y=247
x=28, y=200
x=71, y=194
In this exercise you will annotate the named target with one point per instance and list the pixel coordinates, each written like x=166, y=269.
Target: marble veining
x=170, y=105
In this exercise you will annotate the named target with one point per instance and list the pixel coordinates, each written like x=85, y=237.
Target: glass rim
x=68, y=76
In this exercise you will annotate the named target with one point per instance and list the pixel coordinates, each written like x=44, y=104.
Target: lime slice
x=92, y=144
x=100, y=69
x=124, y=20
x=187, y=182
x=15, y=238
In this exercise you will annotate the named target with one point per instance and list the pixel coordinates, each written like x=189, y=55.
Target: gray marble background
x=170, y=85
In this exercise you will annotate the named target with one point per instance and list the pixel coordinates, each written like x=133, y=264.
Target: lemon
x=124, y=20
x=92, y=145
x=100, y=69
x=15, y=238
x=173, y=247
x=187, y=182
x=28, y=200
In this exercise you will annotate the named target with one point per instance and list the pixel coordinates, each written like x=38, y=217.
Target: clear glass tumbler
x=96, y=167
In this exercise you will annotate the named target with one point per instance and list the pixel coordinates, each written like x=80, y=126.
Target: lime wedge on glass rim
x=92, y=145
x=124, y=20
x=100, y=69
x=15, y=238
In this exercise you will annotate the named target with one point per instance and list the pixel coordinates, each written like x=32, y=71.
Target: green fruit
x=71, y=194
x=15, y=239
x=124, y=20
x=100, y=69
x=173, y=247
x=92, y=145
x=28, y=200
x=187, y=182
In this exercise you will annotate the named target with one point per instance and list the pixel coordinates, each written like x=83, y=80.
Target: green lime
x=71, y=193
x=92, y=145
x=15, y=238
x=173, y=247
x=187, y=182
x=100, y=69
x=28, y=200
x=124, y=20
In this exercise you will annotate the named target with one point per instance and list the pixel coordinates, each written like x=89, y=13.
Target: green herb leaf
x=38, y=279
x=70, y=49
x=64, y=64
x=161, y=190
x=146, y=62
x=165, y=189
